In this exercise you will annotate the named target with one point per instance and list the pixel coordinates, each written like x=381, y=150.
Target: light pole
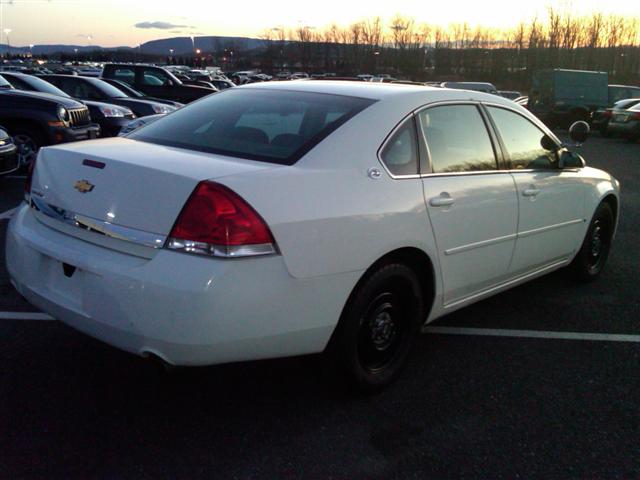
x=171, y=55
x=31, y=50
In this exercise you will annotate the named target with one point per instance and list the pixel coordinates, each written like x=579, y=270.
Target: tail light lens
x=635, y=116
x=27, y=183
x=217, y=222
x=607, y=114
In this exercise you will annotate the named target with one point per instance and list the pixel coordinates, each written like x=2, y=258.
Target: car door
x=551, y=200
x=472, y=204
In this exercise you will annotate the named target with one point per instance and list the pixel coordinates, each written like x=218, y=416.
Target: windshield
x=105, y=88
x=272, y=126
x=132, y=92
x=43, y=86
x=4, y=83
x=624, y=104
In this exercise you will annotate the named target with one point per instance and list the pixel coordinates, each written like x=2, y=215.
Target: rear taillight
x=216, y=221
x=27, y=183
x=607, y=114
x=635, y=116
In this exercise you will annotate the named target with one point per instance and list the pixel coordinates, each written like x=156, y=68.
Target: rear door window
x=457, y=139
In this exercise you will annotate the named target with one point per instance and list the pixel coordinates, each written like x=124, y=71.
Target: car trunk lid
x=127, y=183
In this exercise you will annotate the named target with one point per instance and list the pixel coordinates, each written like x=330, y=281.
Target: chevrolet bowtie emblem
x=83, y=186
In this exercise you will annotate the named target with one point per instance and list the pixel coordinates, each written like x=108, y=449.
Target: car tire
x=28, y=143
x=377, y=329
x=592, y=257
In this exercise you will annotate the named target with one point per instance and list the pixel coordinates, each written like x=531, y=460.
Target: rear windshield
x=266, y=125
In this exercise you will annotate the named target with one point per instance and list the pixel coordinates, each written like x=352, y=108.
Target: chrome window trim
x=127, y=234
x=479, y=104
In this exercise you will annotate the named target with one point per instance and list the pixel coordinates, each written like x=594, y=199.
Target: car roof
x=380, y=91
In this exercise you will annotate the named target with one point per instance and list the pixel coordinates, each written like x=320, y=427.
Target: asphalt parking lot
x=517, y=399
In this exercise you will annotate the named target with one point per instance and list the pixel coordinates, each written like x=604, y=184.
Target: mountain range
x=179, y=45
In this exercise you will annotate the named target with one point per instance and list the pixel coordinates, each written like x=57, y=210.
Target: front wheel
x=378, y=328
x=28, y=144
x=594, y=252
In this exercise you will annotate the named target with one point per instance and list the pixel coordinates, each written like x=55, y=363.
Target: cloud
x=160, y=25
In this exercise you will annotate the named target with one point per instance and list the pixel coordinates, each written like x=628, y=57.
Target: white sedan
x=302, y=217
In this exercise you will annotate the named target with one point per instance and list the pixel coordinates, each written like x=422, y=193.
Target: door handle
x=442, y=201
x=530, y=192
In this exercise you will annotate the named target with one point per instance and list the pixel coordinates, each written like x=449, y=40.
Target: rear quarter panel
x=327, y=215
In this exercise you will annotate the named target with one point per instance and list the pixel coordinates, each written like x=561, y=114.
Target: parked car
x=85, y=88
x=111, y=118
x=187, y=80
x=37, y=119
x=626, y=123
x=600, y=118
x=129, y=91
x=561, y=97
x=510, y=94
x=155, y=82
x=222, y=84
x=474, y=86
x=253, y=238
x=621, y=92
x=8, y=153
x=137, y=123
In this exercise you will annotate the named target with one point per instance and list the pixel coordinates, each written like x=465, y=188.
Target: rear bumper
x=185, y=309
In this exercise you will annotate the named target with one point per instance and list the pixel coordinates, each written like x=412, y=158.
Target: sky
x=131, y=22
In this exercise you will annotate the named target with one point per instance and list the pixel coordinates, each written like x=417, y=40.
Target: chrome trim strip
x=535, y=231
x=483, y=243
x=107, y=229
x=502, y=285
x=513, y=236
x=456, y=174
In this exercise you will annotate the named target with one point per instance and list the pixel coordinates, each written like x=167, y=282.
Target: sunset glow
x=119, y=22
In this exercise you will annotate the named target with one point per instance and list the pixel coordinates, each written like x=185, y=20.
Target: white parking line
x=495, y=332
x=15, y=177
x=8, y=214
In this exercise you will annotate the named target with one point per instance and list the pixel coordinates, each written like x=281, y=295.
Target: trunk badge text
x=83, y=186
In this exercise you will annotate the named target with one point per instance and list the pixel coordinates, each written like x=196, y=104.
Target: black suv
x=39, y=119
x=155, y=82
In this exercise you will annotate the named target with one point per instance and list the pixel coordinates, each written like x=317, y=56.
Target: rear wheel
x=378, y=328
x=594, y=252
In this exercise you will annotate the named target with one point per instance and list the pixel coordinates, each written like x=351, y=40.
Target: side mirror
x=548, y=144
x=571, y=160
x=579, y=131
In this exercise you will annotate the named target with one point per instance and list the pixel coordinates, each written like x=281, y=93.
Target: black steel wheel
x=592, y=257
x=378, y=327
x=28, y=144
